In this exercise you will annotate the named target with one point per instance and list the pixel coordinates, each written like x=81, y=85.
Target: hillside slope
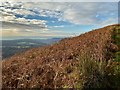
x=71, y=63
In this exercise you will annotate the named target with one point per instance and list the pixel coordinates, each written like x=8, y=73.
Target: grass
x=91, y=73
x=117, y=56
x=116, y=39
x=98, y=74
x=101, y=74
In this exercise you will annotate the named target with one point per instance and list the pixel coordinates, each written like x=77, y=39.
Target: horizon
x=22, y=20
x=31, y=38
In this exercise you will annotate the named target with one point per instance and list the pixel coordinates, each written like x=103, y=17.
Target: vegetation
x=90, y=60
x=98, y=74
x=103, y=73
x=116, y=40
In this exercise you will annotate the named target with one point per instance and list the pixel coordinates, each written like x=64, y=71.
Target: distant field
x=12, y=47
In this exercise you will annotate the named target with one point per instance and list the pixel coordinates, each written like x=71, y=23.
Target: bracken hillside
x=91, y=60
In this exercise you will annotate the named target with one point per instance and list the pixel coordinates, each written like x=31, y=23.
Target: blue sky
x=55, y=19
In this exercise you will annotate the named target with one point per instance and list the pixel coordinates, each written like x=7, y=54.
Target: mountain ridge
x=56, y=65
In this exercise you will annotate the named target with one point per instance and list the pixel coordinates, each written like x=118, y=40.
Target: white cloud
x=110, y=21
x=10, y=20
x=23, y=12
x=85, y=13
x=75, y=13
x=13, y=19
x=58, y=26
x=31, y=21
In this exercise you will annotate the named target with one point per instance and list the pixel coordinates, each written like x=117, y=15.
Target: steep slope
x=60, y=64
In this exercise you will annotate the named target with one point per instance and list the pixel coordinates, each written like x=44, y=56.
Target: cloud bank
x=45, y=18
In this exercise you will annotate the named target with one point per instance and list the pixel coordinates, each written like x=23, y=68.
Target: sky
x=54, y=19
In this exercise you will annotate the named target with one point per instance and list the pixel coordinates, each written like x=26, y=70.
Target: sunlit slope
x=90, y=60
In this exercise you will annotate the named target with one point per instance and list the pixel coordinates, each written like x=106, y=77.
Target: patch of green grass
x=117, y=56
x=116, y=39
x=98, y=74
x=116, y=35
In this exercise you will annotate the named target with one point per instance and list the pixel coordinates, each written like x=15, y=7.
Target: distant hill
x=11, y=47
x=90, y=60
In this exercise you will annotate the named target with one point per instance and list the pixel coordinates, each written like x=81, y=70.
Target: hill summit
x=90, y=60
